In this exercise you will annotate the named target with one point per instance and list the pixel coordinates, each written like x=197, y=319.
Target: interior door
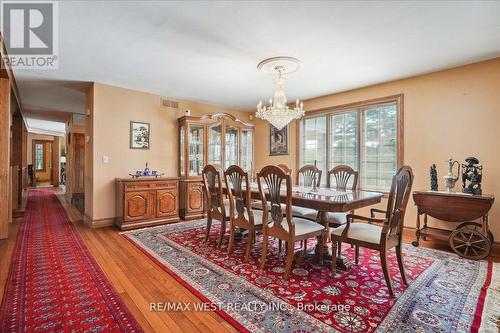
x=42, y=161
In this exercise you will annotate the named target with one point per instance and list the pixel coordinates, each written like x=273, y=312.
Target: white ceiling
x=208, y=51
x=45, y=127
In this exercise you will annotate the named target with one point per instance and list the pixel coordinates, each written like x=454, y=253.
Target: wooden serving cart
x=470, y=239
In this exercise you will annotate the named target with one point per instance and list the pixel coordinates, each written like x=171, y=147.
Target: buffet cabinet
x=146, y=202
x=220, y=139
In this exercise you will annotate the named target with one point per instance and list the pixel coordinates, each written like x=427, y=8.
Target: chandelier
x=278, y=113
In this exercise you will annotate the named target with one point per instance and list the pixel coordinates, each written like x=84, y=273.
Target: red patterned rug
x=54, y=284
x=446, y=293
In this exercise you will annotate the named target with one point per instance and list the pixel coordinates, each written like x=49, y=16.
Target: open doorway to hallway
x=46, y=155
x=42, y=163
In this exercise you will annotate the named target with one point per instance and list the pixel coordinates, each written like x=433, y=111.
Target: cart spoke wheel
x=470, y=243
x=476, y=226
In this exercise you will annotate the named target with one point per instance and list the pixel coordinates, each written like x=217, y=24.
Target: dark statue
x=434, y=178
x=472, y=174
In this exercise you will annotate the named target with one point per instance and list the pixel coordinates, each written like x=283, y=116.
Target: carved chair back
x=402, y=182
x=270, y=180
x=212, y=182
x=285, y=168
x=342, y=175
x=306, y=174
x=238, y=185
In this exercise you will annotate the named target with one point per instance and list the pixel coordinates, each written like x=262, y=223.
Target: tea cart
x=471, y=239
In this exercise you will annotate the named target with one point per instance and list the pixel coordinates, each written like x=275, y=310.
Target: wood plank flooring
x=140, y=281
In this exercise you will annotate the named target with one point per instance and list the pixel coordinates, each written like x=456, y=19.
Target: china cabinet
x=220, y=139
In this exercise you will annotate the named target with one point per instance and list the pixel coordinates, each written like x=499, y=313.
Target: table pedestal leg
x=342, y=262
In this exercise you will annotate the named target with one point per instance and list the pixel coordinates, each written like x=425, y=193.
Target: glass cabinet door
x=215, y=144
x=231, y=147
x=196, y=149
x=246, y=151
x=182, y=157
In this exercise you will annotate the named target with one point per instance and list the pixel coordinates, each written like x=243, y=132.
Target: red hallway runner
x=54, y=283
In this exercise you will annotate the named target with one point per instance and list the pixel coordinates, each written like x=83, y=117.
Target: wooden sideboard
x=146, y=202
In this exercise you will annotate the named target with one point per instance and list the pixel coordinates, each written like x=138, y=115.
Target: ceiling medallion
x=278, y=113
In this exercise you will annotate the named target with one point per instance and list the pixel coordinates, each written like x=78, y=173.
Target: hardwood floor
x=139, y=281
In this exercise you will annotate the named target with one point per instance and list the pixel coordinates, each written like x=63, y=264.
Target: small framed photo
x=139, y=135
x=278, y=141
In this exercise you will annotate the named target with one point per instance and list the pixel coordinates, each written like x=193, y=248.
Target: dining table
x=325, y=200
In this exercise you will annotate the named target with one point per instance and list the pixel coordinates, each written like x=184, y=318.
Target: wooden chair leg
x=251, y=236
x=322, y=247
x=304, y=244
x=209, y=225
x=289, y=259
x=334, y=256
x=265, y=242
x=383, y=260
x=356, y=254
x=279, y=246
x=231, y=239
x=339, y=249
x=222, y=232
x=399, y=256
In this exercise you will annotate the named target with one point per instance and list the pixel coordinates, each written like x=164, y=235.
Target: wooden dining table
x=326, y=200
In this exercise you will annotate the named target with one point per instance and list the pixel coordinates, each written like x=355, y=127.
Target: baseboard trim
x=98, y=223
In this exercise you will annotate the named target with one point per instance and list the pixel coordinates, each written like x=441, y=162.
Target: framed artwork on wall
x=278, y=141
x=139, y=135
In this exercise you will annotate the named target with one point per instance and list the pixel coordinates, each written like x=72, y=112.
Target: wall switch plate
x=105, y=159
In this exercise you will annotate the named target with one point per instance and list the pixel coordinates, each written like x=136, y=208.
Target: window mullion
x=328, y=143
x=361, y=143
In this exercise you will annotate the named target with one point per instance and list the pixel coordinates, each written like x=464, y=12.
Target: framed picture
x=278, y=141
x=139, y=135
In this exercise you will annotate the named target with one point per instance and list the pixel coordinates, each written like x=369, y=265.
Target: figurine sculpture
x=472, y=175
x=450, y=179
x=434, y=179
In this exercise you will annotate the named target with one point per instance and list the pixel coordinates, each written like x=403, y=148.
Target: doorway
x=42, y=162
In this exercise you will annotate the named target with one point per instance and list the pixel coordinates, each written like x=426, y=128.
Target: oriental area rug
x=54, y=283
x=446, y=293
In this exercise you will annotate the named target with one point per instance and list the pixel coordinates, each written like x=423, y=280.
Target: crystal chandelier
x=278, y=113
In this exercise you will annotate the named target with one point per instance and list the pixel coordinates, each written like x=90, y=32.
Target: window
x=39, y=157
x=314, y=139
x=365, y=136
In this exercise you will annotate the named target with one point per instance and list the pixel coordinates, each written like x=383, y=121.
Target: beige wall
x=113, y=109
x=453, y=112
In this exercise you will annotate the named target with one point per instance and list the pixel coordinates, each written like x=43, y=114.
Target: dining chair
x=379, y=237
x=286, y=168
x=305, y=177
x=217, y=205
x=341, y=175
x=240, y=209
x=258, y=204
x=279, y=224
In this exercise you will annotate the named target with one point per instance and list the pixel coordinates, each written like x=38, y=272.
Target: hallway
x=54, y=283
